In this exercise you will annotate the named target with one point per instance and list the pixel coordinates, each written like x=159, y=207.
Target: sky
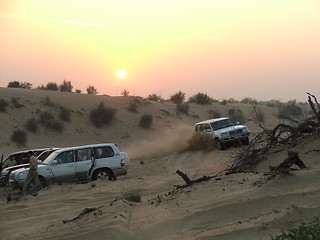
x=266, y=49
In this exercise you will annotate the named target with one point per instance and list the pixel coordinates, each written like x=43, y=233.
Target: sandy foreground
x=229, y=207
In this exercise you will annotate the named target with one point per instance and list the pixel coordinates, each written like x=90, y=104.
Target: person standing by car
x=32, y=175
x=12, y=161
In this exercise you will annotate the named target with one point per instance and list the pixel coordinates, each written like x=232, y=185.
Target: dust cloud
x=170, y=141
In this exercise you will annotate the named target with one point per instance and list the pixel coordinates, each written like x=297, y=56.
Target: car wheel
x=220, y=145
x=102, y=174
x=245, y=141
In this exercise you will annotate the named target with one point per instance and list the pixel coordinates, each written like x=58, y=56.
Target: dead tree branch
x=191, y=182
x=283, y=168
x=282, y=134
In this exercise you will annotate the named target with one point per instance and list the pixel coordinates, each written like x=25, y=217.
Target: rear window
x=103, y=152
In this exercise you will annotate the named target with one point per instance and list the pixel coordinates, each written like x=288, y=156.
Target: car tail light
x=122, y=162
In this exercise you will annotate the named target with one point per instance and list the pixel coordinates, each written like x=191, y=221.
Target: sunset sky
x=264, y=49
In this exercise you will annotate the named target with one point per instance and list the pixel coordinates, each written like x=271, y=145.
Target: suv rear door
x=84, y=159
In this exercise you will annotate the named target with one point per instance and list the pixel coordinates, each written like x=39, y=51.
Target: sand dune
x=230, y=207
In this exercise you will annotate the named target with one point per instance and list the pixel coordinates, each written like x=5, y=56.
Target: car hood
x=25, y=167
x=230, y=129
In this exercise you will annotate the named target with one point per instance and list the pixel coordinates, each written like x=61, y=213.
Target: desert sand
x=229, y=207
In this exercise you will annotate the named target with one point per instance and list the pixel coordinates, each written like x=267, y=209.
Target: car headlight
x=20, y=174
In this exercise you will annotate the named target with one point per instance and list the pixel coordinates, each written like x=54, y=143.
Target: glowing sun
x=121, y=74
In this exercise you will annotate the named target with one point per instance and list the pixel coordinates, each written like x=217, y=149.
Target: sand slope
x=228, y=208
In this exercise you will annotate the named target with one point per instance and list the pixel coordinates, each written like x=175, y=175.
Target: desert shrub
x=47, y=102
x=183, y=108
x=47, y=120
x=14, y=84
x=178, y=97
x=249, y=100
x=290, y=109
x=258, y=115
x=154, y=97
x=78, y=91
x=102, y=115
x=92, y=90
x=214, y=114
x=16, y=103
x=146, y=120
x=52, y=86
x=132, y=196
x=31, y=125
x=65, y=114
x=19, y=136
x=125, y=93
x=133, y=106
x=3, y=105
x=223, y=102
x=236, y=114
x=201, y=98
x=310, y=231
x=201, y=141
x=66, y=86
x=26, y=85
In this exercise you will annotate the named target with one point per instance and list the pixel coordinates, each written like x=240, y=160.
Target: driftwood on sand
x=283, y=168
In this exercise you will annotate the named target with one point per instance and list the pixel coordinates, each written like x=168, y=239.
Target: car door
x=84, y=159
x=63, y=166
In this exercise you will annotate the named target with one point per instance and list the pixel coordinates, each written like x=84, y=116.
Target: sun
x=121, y=74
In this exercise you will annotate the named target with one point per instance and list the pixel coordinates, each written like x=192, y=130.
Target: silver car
x=89, y=162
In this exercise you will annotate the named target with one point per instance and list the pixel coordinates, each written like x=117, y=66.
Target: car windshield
x=222, y=124
x=50, y=157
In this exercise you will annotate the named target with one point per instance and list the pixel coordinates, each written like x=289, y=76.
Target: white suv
x=89, y=162
x=224, y=130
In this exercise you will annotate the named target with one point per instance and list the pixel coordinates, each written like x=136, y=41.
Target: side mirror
x=209, y=130
x=54, y=162
x=237, y=122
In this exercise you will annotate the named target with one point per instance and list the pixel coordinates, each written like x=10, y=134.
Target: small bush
x=305, y=231
x=249, y=100
x=16, y=103
x=19, y=136
x=154, y=97
x=178, y=97
x=52, y=86
x=48, y=102
x=31, y=125
x=47, y=120
x=146, y=121
x=258, y=115
x=290, y=109
x=102, y=115
x=26, y=85
x=14, y=84
x=125, y=93
x=78, y=91
x=3, y=105
x=201, y=98
x=65, y=114
x=236, y=114
x=183, y=108
x=66, y=86
x=132, y=196
x=92, y=90
x=133, y=106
